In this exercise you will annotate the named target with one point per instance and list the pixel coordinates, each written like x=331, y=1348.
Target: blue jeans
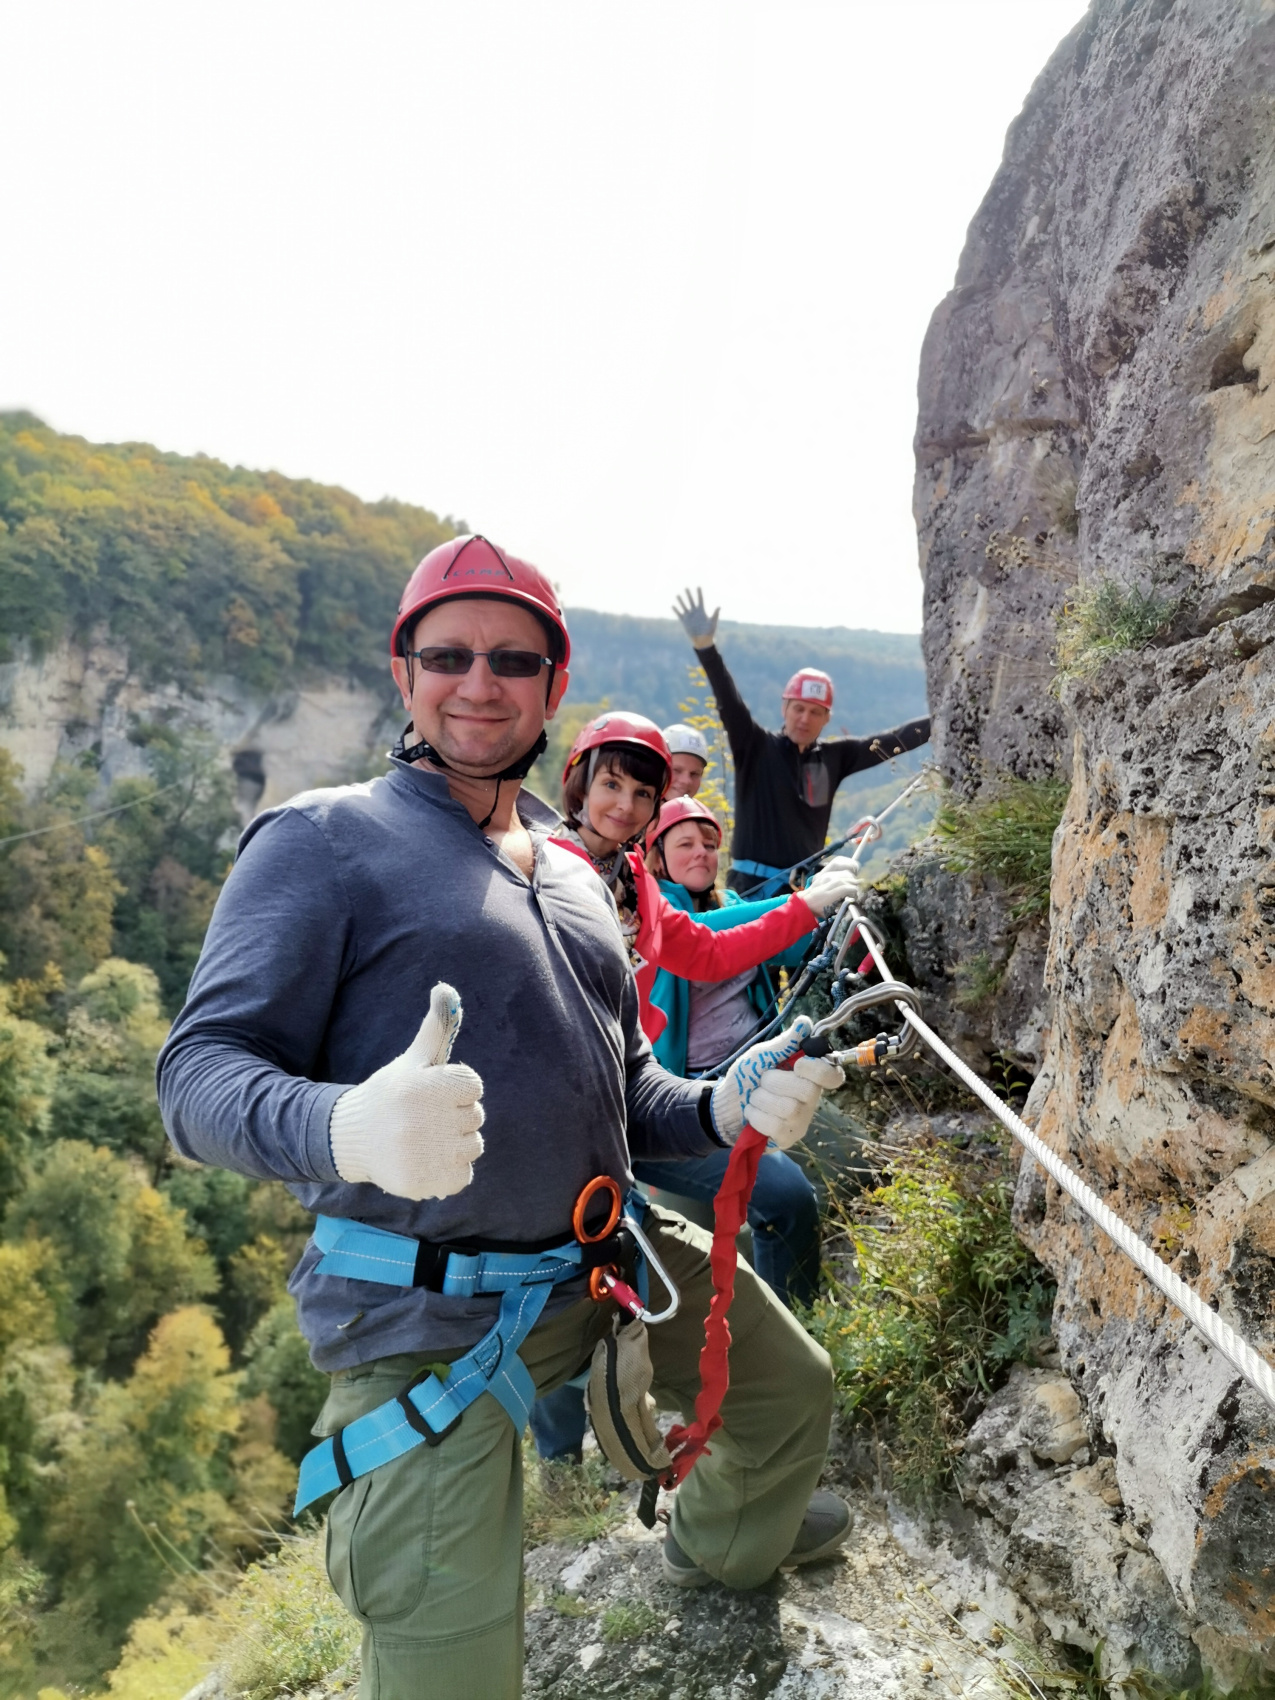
x=784, y=1216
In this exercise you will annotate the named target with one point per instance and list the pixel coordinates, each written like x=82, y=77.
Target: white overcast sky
x=637, y=290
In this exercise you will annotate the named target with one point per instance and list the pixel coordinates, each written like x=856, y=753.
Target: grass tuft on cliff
x=939, y=1299
x=1006, y=834
x=1105, y=618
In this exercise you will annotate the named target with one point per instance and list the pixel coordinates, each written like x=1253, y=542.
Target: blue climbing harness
x=427, y=1409
x=775, y=879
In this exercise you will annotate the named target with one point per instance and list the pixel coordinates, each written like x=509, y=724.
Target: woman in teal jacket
x=707, y=1023
x=673, y=995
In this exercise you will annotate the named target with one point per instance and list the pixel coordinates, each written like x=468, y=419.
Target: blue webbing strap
x=429, y=1409
x=774, y=878
x=362, y=1253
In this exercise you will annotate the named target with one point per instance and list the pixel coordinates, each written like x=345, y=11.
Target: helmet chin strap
x=425, y=751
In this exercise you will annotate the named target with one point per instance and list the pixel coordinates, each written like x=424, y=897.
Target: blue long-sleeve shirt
x=343, y=910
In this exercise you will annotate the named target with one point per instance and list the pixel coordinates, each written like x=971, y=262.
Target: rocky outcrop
x=1098, y=409
x=82, y=699
x=1057, y=1527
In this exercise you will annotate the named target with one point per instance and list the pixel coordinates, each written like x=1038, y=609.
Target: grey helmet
x=683, y=740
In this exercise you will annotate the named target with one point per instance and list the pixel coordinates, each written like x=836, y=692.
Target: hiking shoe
x=823, y=1529
x=680, y=1569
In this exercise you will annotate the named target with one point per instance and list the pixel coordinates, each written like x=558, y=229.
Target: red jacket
x=669, y=938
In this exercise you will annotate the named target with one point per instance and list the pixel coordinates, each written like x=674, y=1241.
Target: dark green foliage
x=943, y=1299
x=1006, y=834
x=217, y=1205
x=169, y=854
x=57, y=892
x=277, y=1362
x=197, y=568
x=120, y=1114
x=123, y=1254
x=105, y=1091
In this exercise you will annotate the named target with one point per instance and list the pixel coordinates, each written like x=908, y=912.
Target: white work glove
x=698, y=624
x=412, y=1127
x=778, y=1103
x=828, y=890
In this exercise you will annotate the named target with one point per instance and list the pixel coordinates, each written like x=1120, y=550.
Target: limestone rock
x=1113, y=324
x=980, y=973
x=78, y=698
x=1063, y=1537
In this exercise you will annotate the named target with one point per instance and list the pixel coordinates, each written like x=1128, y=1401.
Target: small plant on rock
x=1106, y=617
x=629, y=1621
x=1007, y=833
x=569, y=1502
x=979, y=980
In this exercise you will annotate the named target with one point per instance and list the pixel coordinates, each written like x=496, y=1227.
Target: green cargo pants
x=427, y=1551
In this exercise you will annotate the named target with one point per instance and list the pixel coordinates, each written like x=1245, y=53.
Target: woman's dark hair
x=612, y=758
x=701, y=901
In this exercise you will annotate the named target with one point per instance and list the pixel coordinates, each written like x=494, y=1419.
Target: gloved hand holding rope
x=412, y=1127
x=759, y=1091
x=829, y=888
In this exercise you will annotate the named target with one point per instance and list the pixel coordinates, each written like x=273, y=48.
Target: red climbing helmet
x=673, y=813
x=471, y=566
x=810, y=685
x=635, y=730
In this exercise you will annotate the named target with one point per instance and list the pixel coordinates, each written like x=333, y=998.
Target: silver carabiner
x=648, y=1251
x=886, y=991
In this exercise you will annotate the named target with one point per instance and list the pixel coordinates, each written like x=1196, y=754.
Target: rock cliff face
x=1098, y=407
x=80, y=698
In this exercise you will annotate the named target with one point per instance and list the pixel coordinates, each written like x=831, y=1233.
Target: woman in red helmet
x=706, y=1023
x=615, y=778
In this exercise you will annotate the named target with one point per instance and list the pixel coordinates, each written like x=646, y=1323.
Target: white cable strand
x=870, y=825
x=1252, y=1366
x=97, y=814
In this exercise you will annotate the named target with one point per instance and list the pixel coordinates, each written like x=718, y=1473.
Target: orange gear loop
x=598, y=1290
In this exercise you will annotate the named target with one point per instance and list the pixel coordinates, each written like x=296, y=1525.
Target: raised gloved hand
x=698, y=624
x=778, y=1103
x=412, y=1127
x=835, y=881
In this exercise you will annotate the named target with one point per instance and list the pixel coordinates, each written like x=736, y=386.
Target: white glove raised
x=698, y=624
x=778, y=1103
x=412, y=1127
x=835, y=881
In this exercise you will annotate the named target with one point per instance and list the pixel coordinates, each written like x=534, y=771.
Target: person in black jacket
x=785, y=782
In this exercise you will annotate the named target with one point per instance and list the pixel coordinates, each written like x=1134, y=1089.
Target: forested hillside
x=154, y=1391
x=194, y=567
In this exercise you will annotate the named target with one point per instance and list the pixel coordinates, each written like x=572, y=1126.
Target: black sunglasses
x=504, y=663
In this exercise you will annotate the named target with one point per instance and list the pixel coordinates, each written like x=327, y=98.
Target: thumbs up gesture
x=412, y=1127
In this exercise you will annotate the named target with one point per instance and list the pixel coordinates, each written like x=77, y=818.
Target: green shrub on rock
x=942, y=1298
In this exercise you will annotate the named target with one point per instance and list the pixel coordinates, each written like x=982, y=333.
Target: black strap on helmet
x=425, y=751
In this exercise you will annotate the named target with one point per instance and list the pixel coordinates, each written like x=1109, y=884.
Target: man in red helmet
x=448, y=1279
x=785, y=782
